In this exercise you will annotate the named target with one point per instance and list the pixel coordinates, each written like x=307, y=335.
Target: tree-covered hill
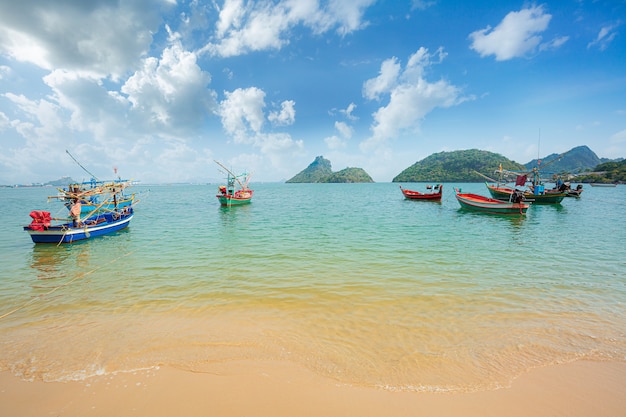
x=578, y=159
x=348, y=175
x=457, y=166
x=606, y=172
x=61, y=182
x=320, y=170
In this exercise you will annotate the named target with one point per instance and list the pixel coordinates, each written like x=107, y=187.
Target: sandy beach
x=283, y=389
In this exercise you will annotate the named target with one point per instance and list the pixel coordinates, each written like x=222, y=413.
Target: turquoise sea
x=349, y=280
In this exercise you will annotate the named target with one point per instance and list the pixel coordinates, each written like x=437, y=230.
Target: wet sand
x=279, y=389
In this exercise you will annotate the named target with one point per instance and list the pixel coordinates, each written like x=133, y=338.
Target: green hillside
x=606, y=172
x=348, y=175
x=320, y=170
x=578, y=159
x=456, y=166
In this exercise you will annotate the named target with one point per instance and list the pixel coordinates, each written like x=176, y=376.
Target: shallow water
x=349, y=280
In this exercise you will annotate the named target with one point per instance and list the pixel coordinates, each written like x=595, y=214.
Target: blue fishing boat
x=41, y=229
x=96, y=196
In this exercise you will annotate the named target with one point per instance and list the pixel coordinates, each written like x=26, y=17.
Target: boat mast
x=84, y=169
x=230, y=173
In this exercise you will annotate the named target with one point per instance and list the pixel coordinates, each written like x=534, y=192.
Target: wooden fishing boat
x=569, y=191
x=41, y=229
x=429, y=196
x=476, y=202
x=537, y=193
x=603, y=184
x=96, y=196
x=231, y=195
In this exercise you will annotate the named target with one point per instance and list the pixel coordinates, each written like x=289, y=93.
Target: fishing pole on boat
x=84, y=169
x=484, y=176
x=242, y=185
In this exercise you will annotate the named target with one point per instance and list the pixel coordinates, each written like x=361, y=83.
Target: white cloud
x=172, y=90
x=387, y=77
x=242, y=111
x=256, y=26
x=619, y=137
x=341, y=141
x=286, y=116
x=554, y=43
x=345, y=130
x=99, y=38
x=346, y=15
x=243, y=118
x=335, y=142
x=411, y=96
x=422, y=4
x=4, y=70
x=4, y=121
x=604, y=38
x=348, y=112
x=516, y=36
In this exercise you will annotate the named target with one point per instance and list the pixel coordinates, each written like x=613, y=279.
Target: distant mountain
x=320, y=170
x=576, y=160
x=348, y=175
x=61, y=182
x=456, y=166
x=613, y=172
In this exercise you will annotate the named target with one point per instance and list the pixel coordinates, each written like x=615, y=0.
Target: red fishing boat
x=476, y=202
x=435, y=194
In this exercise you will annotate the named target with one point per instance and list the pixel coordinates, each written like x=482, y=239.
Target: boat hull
x=504, y=194
x=475, y=202
x=94, y=226
x=227, y=201
x=416, y=195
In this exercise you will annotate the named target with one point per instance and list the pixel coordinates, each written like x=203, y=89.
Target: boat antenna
x=234, y=176
x=84, y=169
x=538, y=149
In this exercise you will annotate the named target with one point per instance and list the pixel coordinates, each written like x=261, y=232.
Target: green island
x=579, y=164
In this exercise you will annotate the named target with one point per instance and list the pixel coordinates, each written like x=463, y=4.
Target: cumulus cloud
x=255, y=26
x=515, y=36
x=604, y=38
x=243, y=117
x=341, y=141
x=410, y=96
x=286, y=116
x=242, y=111
x=100, y=38
x=171, y=90
x=387, y=77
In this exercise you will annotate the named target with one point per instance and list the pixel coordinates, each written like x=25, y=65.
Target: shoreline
x=280, y=388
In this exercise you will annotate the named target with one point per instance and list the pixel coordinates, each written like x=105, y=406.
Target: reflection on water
x=48, y=261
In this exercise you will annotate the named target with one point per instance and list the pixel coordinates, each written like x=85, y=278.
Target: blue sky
x=161, y=88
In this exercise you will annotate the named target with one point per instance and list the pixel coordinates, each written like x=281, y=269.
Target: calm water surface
x=350, y=280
